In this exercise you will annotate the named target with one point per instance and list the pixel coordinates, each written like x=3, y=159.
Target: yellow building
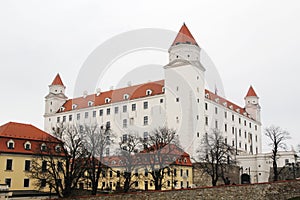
x=18, y=147
x=178, y=170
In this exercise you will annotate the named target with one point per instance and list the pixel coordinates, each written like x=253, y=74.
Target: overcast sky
x=250, y=42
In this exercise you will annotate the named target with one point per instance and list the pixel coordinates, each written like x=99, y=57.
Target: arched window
x=57, y=148
x=126, y=96
x=10, y=144
x=27, y=145
x=107, y=100
x=148, y=92
x=43, y=147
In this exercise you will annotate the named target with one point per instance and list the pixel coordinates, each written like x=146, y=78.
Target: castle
x=180, y=101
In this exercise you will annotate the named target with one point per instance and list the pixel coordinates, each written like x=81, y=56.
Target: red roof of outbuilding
x=184, y=36
x=251, y=92
x=57, y=80
x=21, y=133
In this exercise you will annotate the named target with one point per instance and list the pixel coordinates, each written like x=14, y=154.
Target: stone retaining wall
x=279, y=190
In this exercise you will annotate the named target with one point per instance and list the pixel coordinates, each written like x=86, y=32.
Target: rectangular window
x=216, y=110
x=255, y=127
x=146, y=135
x=181, y=172
x=133, y=107
x=145, y=120
x=124, y=123
x=239, y=120
x=9, y=164
x=225, y=114
x=206, y=106
x=43, y=182
x=187, y=172
x=107, y=151
x=70, y=117
x=240, y=132
x=124, y=108
x=250, y=124
x=108, y=111
x=108, y=124
x=94, y=113
x=161, y=100
x=58, y=119
x=240, y=145
x=124, y=138
x=146, y=105
x=225, y=141
x=26, y=182
x=8, y=182
x=245, y=134
x=78, y=116
x=216, y=124
x=232, y=130
x=255, y=138
x=177, y=99
x=233, y=143
x=245, y=123
x=44, y=166
x=136, y=184
x=64, y=118
x=146, y=172
x=27, y=165
x=246, y=147
x=225, y=127
x=175, y=172
x=232, y=117
x=169, y=183
x=118, y=173
x=116, y=110
x=206, y=121
x=60, y=166
x=101, y=112
x=86, y=114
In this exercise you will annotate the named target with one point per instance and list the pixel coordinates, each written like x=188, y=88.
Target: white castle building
x=180, y=101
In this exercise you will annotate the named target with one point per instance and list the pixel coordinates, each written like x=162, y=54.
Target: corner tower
x=252, y=105
x=56, y=97
x=184, y=90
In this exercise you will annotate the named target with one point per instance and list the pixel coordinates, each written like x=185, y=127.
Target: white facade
x=258, y=166
x=179, y=102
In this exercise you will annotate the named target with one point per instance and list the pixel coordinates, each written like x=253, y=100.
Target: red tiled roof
x=134, y=92
x=212, y=96
x=21, y=133
x=251, y=92
x=184, y=36
x=178, y=155
x=57, y=80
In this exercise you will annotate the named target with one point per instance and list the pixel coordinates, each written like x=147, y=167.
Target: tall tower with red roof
x=252, y=105
x=56, y=97
x=184, y=89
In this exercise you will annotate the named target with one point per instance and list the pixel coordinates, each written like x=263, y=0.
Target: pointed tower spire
x=184, y=36
x=251, y=92
x=57, y=80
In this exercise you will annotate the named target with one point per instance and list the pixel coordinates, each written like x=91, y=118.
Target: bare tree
x=97, y=139
x=158, y=153
x=61, y=166
x=214, y=155
x=278, y=138
x=129, y=147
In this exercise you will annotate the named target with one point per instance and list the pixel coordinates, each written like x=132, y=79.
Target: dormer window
x=10, y=144
x=27, y=145
x=231, y=106
x=74, y=106
x=61, y=109
x=57, y=149
x=163, y=89
x=43, y=147
x=126, y=96
x=90, y=103
x=225, y=104
x=238, y=110
x=107, y=100
x=217, y=100
x=207, y=95
x=148, y=92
